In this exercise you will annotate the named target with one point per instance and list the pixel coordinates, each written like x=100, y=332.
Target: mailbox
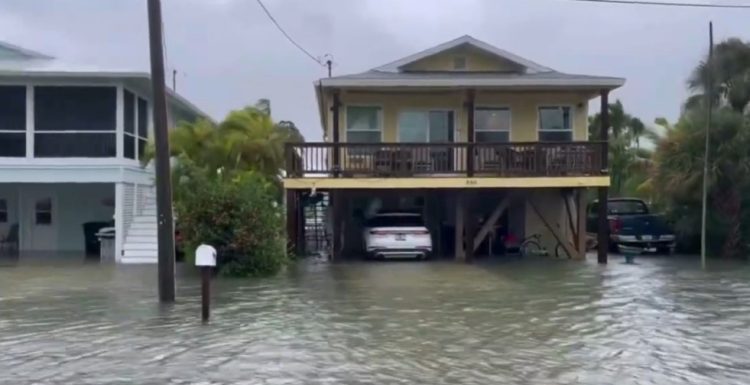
x=205, y=255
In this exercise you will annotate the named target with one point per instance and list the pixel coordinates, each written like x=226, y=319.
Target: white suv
x=397, y=235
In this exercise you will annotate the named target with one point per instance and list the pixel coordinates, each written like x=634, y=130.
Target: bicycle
x=531, y=246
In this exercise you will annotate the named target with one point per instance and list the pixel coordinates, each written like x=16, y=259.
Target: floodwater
x=662, y=321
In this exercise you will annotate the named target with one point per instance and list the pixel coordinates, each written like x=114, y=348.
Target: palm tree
x=731, y=77
x=678, y=168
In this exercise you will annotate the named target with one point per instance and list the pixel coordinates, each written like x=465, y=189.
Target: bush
x=237, y=214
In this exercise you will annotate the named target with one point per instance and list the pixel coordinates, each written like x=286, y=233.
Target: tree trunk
x=729, y=204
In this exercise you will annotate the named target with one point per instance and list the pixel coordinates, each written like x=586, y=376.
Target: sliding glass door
x=428, y=126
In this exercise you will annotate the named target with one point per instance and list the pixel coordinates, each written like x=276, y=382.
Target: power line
x=665, y=3
x=268, y=13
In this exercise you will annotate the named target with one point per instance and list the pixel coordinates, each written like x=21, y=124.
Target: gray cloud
x=228, y=53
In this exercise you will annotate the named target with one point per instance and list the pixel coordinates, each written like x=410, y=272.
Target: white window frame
x=346, y=120
x=136, y=135
x=494, y=107
x=426, y=111
x=571, y=115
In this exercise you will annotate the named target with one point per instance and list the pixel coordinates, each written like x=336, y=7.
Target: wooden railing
x=532, y=159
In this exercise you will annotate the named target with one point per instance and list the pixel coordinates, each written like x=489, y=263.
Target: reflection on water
x=663, y=321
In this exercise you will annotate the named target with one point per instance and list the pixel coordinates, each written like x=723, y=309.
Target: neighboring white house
x=70, y=143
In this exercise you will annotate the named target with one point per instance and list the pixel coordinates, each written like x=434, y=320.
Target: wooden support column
x=335, y=135
x=336, y=202
x=470, y=156
x=460, y=219
x=470, y=224
x=291, y=220
x=581, y=206
x=603, y=226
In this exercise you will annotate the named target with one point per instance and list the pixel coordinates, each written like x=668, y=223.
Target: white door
x=39, y=221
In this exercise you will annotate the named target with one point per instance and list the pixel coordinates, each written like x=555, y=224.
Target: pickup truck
x=631, y=224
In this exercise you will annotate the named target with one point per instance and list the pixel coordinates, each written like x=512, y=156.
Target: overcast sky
x=229, y=54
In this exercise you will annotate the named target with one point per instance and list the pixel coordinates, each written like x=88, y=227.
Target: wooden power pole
x=163, y=178
x=710, y=99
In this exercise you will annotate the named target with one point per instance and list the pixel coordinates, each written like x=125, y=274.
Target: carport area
x=464, y=224
x=53, y=219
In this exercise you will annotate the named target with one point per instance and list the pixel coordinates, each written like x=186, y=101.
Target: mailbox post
x=205, y=258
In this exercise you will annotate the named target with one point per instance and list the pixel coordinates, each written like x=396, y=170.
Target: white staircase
x=141, y=243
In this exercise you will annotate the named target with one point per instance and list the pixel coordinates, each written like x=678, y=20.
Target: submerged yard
x=662, y=321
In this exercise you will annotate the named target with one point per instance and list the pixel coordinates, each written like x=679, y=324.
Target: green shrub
x=237, y=214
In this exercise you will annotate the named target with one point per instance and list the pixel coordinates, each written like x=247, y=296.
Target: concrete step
x=143, y=226
x=140, y=246
x=140, y=239
x=144, y=219
x=148, y=260
x=141, y=232
x=139, y=253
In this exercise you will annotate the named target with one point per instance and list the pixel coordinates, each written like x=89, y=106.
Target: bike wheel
x=560, y=252
x=530, y=247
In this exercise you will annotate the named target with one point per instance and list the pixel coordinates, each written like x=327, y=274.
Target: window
x=75, y=121
x=363, y=124
x=555, y=124
x=3, y=211
x=129, y=147
x=13, y=121
x=491, y=125
x=43, y=211
x=459, y=63
x=142, y=126
x=425, y=127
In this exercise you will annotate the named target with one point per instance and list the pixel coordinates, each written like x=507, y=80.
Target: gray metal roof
x=35, y=65
x=533, y=75
x=375, y=78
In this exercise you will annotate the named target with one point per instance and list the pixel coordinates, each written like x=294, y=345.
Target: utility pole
x=328, y=64
x=163, y=178
x=710, y=97
x=174, y=80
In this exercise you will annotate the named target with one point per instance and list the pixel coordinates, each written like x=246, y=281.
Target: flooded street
x=662, y=321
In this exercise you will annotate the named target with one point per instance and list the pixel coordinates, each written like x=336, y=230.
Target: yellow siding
x=475, y=61
x=523, y=107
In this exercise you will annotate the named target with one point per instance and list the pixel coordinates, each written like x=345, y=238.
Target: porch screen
x=75, y=121
x=136, y=126
x=555, y=124
x=13, y=121
x=491, y=125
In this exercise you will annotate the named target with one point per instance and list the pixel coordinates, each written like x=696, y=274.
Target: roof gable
x=13, y=52
x=504, y=60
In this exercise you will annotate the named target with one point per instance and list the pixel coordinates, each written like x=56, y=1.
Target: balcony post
x=470, y=133
x=335, y=109
x=603, y=225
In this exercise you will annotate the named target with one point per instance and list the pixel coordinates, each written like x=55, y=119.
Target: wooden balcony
x=414, y=160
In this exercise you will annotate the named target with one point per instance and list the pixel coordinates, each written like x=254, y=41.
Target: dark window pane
x=13, y=108
x=3, y=205
x=555, y=136
x=129, y=147
x=44, y=218
x=363, y=136
x=3, y=216
x=12, y=144
x=129, y=112
x=497, y=119
x=554, y=118
x=142, y=118
x=141, y=147
x=491, y=136
x=75, y=145
x=74, y=108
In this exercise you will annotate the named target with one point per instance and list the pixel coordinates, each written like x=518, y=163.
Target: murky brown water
x=526, y=322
